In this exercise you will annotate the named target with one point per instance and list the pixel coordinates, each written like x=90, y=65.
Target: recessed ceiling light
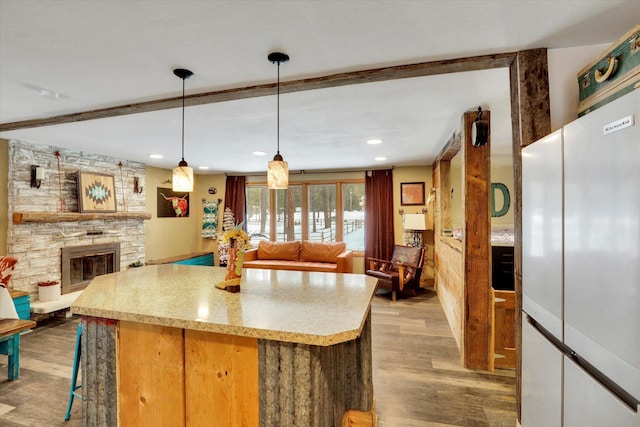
x=50, y=94
x=203, y=167
x=374, y=141
x=380, y=159
x=259, y=153
x=155, y=156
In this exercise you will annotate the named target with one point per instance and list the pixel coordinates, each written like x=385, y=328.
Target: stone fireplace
x=46, y=227
x=80, y=264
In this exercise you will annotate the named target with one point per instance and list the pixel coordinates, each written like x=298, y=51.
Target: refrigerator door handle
x=606, y=382
x=598, y=376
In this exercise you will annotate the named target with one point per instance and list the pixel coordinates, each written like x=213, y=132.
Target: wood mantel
x=44, y=217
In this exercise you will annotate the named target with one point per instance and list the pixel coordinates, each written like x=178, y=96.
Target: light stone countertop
x=292, y=306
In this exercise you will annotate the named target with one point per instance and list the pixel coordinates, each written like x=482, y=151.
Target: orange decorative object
x=233, y=277
x=7, y=264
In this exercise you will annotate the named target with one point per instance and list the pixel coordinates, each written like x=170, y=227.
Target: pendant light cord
x=278, y=98
x=183, y=79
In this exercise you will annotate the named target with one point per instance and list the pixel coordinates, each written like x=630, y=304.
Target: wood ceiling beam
x=423, y=69
x=451, y=148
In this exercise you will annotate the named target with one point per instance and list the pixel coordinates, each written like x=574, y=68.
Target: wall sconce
x=401, y=212
x=137, y=185
x=37, y=175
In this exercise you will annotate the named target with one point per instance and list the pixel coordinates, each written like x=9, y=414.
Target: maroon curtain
x=234, y=197
x=378, y=196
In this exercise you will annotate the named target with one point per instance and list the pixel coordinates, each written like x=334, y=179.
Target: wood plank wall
x=448, y=261
x=450, y=284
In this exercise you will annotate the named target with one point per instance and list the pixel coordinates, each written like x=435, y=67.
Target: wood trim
x=478, y=298
x=505, y=307
x=451, y=148
x=444, y=193
x=517, y=227
x=530, y=121
x=422, y=69
x=533, y=89
x=46, y=217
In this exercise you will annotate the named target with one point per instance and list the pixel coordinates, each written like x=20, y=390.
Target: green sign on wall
x=498, y=186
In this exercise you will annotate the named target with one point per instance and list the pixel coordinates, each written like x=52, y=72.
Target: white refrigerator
x=581, y=272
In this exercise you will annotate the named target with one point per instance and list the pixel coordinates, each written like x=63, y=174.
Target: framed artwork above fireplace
x=96, y=192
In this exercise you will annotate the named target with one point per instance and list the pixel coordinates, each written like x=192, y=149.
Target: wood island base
x=162, y=346
x=176, y=377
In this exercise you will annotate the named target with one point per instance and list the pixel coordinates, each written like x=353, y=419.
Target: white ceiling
x=99, y=54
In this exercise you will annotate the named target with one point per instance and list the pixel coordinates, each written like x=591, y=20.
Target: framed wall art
x=411, y=193
x=172, y=204
x=96, y=192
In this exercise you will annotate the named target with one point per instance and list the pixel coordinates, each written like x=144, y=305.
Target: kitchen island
x=162, y=346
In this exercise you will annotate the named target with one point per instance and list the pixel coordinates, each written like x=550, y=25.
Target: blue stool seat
x=74, y=375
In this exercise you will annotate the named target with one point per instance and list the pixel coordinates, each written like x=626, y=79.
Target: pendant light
x=182, y=174
x=278, y=169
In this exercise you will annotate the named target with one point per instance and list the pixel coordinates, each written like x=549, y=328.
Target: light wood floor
x=418, y=378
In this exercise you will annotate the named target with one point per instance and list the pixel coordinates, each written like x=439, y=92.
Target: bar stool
x=74, y=375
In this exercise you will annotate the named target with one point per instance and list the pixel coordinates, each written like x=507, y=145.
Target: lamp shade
x=182, y=179
x=414, y=222
x=278, y=175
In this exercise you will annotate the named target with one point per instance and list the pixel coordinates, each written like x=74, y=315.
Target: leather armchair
x=401, y=273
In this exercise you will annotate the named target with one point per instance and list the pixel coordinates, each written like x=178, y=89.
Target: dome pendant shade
x=278, y=173
x=182, y=177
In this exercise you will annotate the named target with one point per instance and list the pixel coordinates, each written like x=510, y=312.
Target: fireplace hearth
x=80, y=264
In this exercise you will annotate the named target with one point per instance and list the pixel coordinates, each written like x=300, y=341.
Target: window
x=289, y=214
x=258, y=211
x=321, y=215
x=308, y=211
x=353, y=216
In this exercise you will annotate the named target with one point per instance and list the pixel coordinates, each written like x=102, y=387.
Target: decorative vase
x=48, y=292
x=232, y=279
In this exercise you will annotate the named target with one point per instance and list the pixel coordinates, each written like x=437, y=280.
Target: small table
x=10, y=332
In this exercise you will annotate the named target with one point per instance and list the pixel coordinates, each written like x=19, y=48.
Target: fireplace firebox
x=80, y=264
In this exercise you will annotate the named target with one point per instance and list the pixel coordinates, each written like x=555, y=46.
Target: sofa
x=300, y=256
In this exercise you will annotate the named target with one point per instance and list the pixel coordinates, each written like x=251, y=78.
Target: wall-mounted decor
x=96, y=192
x=172, y=203
x=411, y=193
x=506, y=199
x=209, y=219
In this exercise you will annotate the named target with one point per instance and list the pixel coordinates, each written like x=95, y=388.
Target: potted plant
x=48, y=290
